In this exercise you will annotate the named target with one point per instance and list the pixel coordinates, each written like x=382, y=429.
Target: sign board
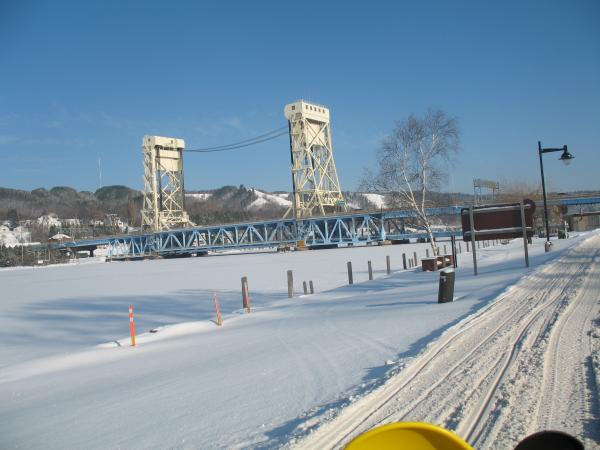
x=500, y=221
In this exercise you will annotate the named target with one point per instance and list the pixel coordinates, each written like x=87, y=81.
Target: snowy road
x=522, y=364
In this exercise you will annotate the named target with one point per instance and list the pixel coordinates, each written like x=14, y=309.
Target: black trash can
x=446, y=290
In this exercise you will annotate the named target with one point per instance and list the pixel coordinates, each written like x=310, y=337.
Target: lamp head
x=566, y=157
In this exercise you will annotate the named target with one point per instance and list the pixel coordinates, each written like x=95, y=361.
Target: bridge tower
x=314, y=177
x=164, y=197
x=485, y=191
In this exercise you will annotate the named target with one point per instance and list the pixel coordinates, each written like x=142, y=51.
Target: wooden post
x=350, y=280
x=304, y=288
x=245, y=294
x=217, y=310
x=404, y=260
x=473, y=237
x=312, y=288
x=290, y=283
x=388, y=265
x=370, y=270
x=131, y=326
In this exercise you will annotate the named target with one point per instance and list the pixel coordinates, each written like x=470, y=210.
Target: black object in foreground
x=446, y=289
x=550, y=440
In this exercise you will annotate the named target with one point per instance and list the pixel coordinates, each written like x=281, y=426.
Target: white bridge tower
x=163, y=184
x=315, y=182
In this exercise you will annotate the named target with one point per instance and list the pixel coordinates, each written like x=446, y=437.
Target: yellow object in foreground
x=410, y=436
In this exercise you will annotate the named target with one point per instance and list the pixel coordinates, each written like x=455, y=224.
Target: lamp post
x=566, y=158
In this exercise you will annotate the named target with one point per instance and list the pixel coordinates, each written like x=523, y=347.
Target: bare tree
x=413, y=160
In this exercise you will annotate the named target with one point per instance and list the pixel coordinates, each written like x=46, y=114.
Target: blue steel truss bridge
x=313, y=233
x=318, y=232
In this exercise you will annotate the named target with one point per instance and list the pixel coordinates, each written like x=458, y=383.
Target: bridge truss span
x=316, y=232
x=201, y=240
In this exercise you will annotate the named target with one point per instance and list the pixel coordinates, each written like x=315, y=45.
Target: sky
x=82, y=82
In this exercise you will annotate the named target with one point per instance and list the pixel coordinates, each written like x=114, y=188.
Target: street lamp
x=566, y=158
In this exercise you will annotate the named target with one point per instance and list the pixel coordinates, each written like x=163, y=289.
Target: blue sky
x=86, y=80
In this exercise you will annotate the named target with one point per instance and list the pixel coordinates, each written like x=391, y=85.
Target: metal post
x=404, y=260
x=472, y=221
x=544, y=193
x=370, y=270
x=388, y=265
x=427, y=253
x=445, y=251
x=290, y=283
x=415, y=257
x=304, y=288
x=524, y=225
x=312, y=287
x=350, y=280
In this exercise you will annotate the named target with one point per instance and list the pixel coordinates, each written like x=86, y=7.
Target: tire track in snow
x=520, y=406
x=531, y=306
x=569, y=386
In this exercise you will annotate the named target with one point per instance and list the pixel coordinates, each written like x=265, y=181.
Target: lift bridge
x=312, y=233
x=168, y=232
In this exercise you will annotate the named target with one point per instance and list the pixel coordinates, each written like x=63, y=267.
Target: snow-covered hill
x=254, y=199
x=264, y=198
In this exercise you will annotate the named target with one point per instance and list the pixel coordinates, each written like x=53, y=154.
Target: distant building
x=588, y=221
x=60, y=238
x=49, y=220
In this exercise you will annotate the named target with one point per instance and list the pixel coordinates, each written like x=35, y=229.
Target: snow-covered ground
x=526, y=362
x=293, y=370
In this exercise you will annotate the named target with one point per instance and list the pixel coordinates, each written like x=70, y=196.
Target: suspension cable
x=245, y=143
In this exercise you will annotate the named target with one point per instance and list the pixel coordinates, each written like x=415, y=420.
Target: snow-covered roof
x=60, y=237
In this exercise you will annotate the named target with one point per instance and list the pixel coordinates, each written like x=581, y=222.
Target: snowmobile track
x=466, y=392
